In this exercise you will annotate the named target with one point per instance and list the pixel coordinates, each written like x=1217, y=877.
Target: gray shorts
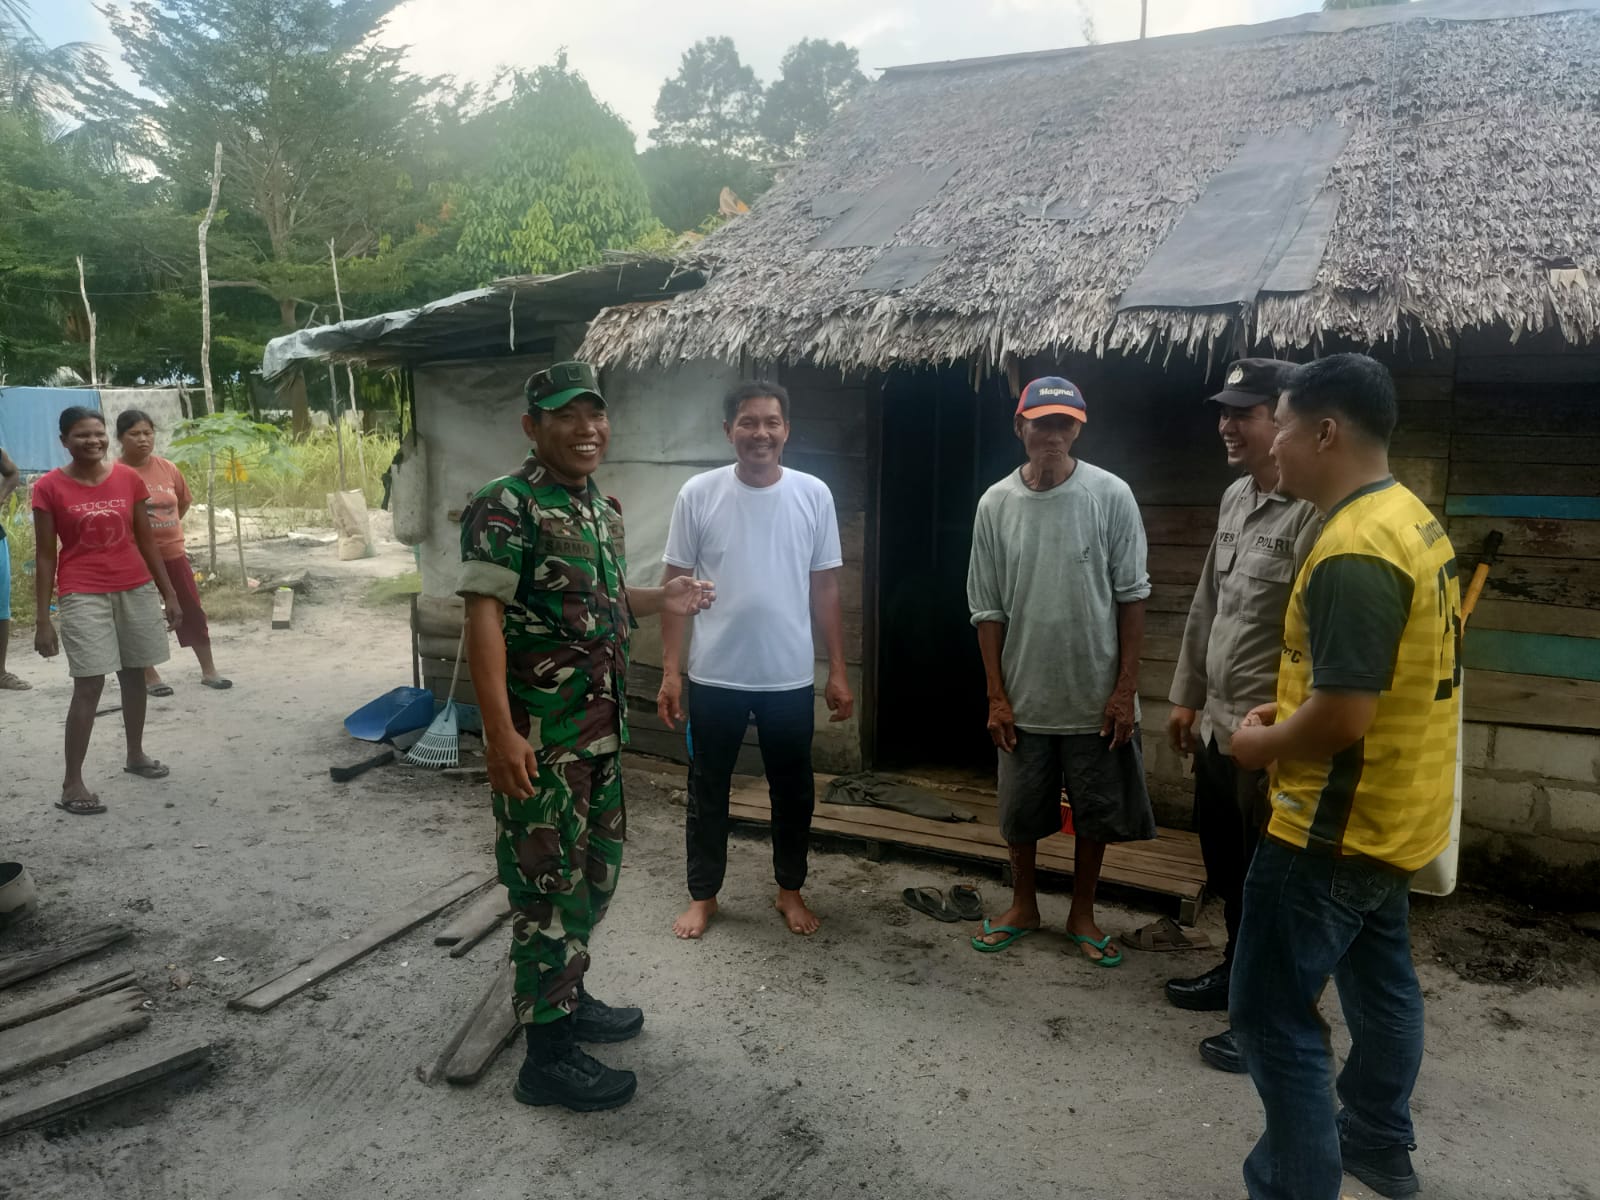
x=106, y=632
x=1106, y=788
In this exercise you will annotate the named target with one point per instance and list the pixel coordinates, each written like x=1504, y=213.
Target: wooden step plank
x=15, y=968
x=341, y=954
x=491, y=1029
x=72, y=1032
x=1121, y=865
x=106, y=1081
x=62, y=998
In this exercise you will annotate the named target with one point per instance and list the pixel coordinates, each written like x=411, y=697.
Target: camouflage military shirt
x=553, y=556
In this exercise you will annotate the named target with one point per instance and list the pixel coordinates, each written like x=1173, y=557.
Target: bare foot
x=695, y=918
x=799, y=918
x=1016, y=918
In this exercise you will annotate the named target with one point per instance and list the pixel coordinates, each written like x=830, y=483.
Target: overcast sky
x=627, y=47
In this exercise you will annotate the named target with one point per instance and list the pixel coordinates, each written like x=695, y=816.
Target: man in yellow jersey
x=1363, y=742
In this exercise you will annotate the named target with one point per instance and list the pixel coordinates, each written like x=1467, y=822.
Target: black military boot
x=1203, y=993
x=596, y=1021
x=556, y=1071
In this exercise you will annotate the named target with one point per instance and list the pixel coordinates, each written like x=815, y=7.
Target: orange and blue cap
x=1053, y=396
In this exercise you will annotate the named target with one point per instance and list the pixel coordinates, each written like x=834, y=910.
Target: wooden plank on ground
x=62, y=998
x=16, y=967
x=73, y=1031
x=491, y=1029
x=342, y=954
x=1504, y=698
x=106, y=1081
x=283, y=608
x=1531, y=653
x=476, y=922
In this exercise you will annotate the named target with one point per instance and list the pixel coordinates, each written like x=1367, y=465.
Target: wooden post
x=349, y=376
x=1144, y=17
x=338, y=426
x=94, y=369
x=205, y=351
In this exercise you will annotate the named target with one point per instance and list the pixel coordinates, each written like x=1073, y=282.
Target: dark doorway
x=941, y=446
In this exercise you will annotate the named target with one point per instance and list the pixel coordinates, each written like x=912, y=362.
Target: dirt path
x=870, y=1061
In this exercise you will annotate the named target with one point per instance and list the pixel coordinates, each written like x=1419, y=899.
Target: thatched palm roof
x=1469, y=193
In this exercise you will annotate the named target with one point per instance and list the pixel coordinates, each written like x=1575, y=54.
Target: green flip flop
x=1108, y=957
x=1013, y=936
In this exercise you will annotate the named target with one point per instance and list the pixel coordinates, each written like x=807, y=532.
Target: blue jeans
x=1308, y=916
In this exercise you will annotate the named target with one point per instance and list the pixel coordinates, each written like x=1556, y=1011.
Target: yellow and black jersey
x=1375, y=608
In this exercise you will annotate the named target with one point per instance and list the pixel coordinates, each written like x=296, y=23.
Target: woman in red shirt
x=169, y=500
x=107, y=573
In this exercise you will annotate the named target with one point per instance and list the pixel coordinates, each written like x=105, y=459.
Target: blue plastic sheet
x=29, y=429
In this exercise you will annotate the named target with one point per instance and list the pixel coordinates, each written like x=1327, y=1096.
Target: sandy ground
x=882, y=1058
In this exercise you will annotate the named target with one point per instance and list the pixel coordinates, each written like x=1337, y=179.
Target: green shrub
x=18, y=520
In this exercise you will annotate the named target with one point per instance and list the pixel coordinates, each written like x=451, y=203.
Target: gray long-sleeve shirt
x=1052, y=567
x=1234, y=635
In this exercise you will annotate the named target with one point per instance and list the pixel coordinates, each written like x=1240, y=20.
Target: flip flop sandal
x=160, y=689
x=220, y=685
x=79, y=808
x=151, y=770
x=929, y=900
x=1103, y=945
x=1164, y=934
x=14, y=683
x=1013, y=936
x=966, y=902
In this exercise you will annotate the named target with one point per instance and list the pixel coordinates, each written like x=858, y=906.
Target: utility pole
x=1144, y=17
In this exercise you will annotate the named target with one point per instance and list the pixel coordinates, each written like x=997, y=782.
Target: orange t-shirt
x=169, y=498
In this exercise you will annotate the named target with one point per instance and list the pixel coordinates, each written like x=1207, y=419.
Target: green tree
x=815, y=80
x=561, y=185
x=685, y=182
x=713, y=101
x=234, y=445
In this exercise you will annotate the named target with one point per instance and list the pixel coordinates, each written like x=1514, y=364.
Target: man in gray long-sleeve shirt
x=1229, y=660
x=1056, y=585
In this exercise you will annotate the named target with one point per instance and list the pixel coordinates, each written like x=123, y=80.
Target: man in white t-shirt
x=769, y=536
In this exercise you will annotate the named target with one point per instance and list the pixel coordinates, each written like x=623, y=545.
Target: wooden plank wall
x=1524, y=459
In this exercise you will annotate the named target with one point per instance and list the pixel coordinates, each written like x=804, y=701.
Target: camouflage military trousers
x=559, y=854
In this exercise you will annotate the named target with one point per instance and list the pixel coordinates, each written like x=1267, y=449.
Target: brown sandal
x=1165, y=934
x=81, y=806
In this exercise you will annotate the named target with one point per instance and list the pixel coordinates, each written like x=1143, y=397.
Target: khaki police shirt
x=1233, y=638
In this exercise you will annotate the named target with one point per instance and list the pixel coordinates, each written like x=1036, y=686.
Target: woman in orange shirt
x=169, y=500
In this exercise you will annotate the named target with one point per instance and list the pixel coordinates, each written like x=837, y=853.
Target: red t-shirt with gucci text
x=95, y=527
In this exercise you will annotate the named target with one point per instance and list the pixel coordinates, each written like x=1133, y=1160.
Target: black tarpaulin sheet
x=1265, y=210
x=899, y=267
x=873, y=218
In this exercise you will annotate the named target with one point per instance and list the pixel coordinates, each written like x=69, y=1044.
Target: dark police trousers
x=718, y=718
x=1230, y=811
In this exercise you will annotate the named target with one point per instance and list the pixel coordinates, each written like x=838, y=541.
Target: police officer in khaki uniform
x=1229, y=660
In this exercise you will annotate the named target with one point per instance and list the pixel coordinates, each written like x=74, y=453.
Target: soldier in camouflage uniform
x=548, y=619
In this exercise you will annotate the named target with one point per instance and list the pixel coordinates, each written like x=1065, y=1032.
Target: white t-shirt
x=759, y=546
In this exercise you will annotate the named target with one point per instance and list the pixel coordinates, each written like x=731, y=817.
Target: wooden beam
x=1522, y=617
x=73, y=1031
x=16, y=967
x=105, y=1081
x=62, y=998
x=475, y=922
x=343, y=953
x=1502, y=478
x=490, y=1030
x=1524, y=536
x=1573, y=582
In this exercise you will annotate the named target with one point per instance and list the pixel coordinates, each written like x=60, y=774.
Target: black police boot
x=1222, y=1052
x=1203, y=993
x=1387, y=1171
x=558, y=1072
x=595, y=1021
